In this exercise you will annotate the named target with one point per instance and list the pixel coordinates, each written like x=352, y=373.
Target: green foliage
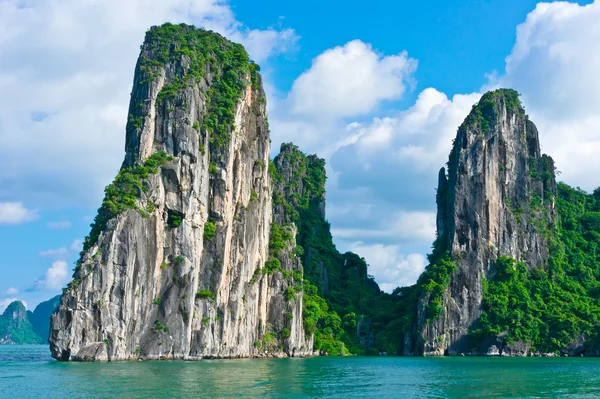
x=123, y=193
x=16, y=326
x=196, y=126
x=279, y=239
x=350, y=289
x=212, y=168
x=159, y=327
x=171, y=90
x=286, y=333
x=435, y=280
x=483, y=114
x=289, y=294
x=554, y=306
x=174, y=220
x=253, y=196
x=326, y=325
x=136, y=122
x=227, y=62
x=179, y=259
x=206, y=294
x=210, y=231
x=157, y=301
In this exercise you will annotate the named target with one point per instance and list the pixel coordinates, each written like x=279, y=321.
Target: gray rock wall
x=136, y=293
x=496, y=200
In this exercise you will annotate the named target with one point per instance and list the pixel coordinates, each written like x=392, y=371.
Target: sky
x=378, y=89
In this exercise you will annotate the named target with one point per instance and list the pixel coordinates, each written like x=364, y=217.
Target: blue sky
x=377, y=89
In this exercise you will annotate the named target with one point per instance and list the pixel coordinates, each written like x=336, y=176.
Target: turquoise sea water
x=29, y=372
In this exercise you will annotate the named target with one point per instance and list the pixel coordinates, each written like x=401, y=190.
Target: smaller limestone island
x=19, y=326
x=205, y=248
x=515, y=268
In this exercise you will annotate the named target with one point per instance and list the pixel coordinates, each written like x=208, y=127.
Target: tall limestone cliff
x=497, y=199
x=343, y=303
x=178, y=263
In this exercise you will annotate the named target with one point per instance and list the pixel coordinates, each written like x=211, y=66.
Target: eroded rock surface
x=495, y=199
x=177, y=272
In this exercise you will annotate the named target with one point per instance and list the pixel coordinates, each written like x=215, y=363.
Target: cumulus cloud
x=343, y=82
x=64, y=224
x=11, y=291
x=393, y=160
x=350, y=80
x=554, y=64
x=54, y=253
x=54, y=278
x=383, y=170
x=402, y=227
x=5, y=302
x=16, y=213
x=390, y=268
x=66, y=77
x=76, y=246
x=62, y=252
x=419, y=138
x=385, y=173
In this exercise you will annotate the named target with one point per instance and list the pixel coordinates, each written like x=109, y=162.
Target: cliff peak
x=496, y=200
x=178, y=263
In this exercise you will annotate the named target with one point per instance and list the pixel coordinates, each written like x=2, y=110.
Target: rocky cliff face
x=175, y=264
x=497, y=199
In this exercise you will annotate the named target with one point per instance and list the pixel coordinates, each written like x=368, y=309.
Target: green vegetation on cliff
x=123, y=194
x=15, y=327
x=19, y=326
x=552, y=308
x=483, y=113
x=343, y=304
x=201, y=55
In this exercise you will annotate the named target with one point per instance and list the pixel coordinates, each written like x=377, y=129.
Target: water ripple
x=28, y=371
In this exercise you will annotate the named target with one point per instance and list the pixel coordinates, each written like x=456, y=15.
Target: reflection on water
x=28, y=371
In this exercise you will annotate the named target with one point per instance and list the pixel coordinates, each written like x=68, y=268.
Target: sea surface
x=28, y=371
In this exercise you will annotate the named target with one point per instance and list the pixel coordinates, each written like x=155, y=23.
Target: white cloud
x=16, y=213
x=555, y=64
x=55, y=278
x=390, y=268
x=402, y=227
x=383, y=173
x=5, y=302
x=76, y=246
x=54, y=253
x=63, y=224
x=350, y=80
x=11, y=291
x=419, y=138
x=66, y=77
x=63, y=252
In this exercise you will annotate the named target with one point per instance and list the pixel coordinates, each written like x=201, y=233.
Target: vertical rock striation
x=174, y=265
x=497, y=199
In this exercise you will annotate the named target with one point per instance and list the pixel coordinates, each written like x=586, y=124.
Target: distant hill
x=40, y=317
x=20, y=326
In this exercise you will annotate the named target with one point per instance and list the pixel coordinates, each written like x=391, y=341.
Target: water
x=29, y=372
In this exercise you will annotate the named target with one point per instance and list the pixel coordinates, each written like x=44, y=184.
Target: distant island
x=20, y=326
x=203, y=247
